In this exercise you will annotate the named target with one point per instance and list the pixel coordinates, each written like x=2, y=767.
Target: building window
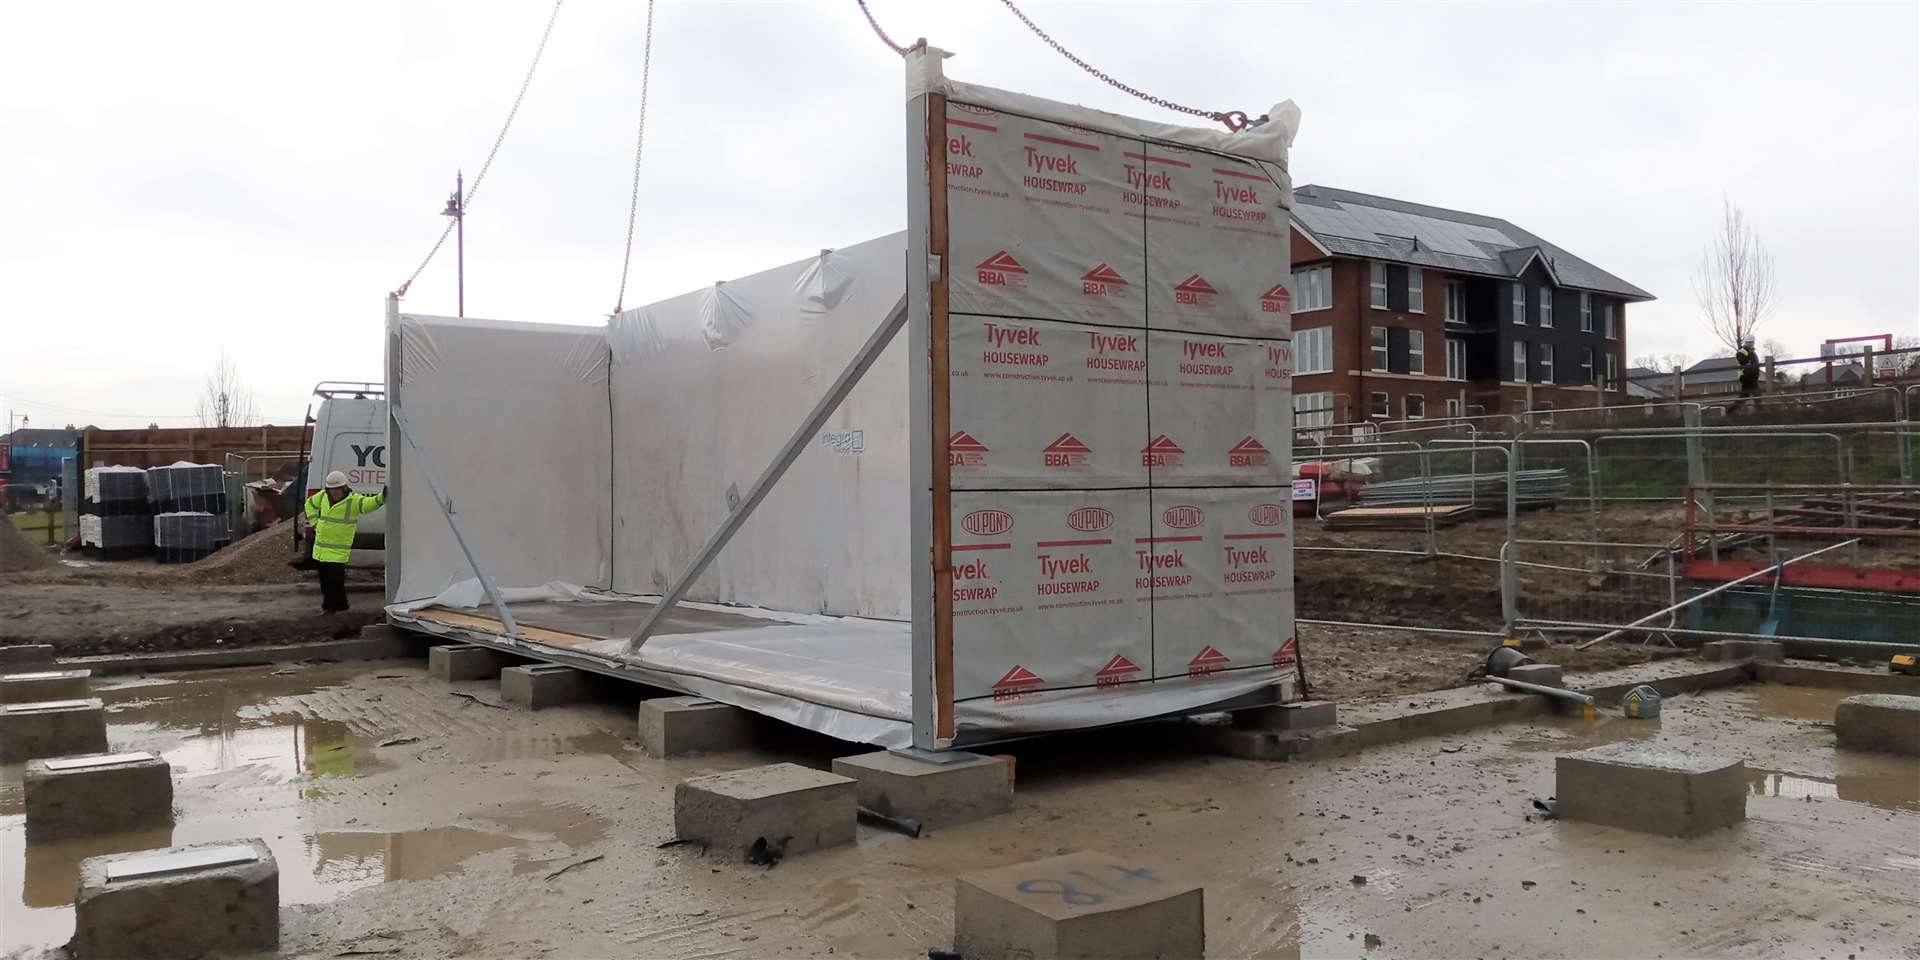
x=1379, y=283
x=1313, y=350
x=1456, y=358
x=1456, y=302
x=1416, y=351
x=1520, y=361
x=1380, y=348
x=1382, y=406
x=1613, y=372
x=1519, y=305
x=1546, y=363
x=1586, y=312
x=1312, y=410
x=1416, y=291
x=1606, y=316
x=1312, y=289
x=1586, y=364
x=1415, y=405
x=1546, y=306
x=1455, y=407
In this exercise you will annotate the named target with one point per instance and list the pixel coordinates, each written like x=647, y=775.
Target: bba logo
x=964, y=451
x=1277, y=300
x=1017, y=683
x=1118, y=670
x=987, y=523
x=1288, y=654
x=1195, y=291
x=1182, y=516
x=1002, y=270
x=1066, y=453
x=1248, y=453
x=1162, y=452
x=1090, y=519
x=1208, y=661
x=1103, y=281
x=1267, y=515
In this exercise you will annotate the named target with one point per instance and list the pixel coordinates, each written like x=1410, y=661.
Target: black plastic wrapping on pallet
x=116, y=484
x=198, y=530
x=122, y=534
x=185, y=481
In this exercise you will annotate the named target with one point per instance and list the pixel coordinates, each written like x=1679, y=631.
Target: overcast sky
x=180, y=178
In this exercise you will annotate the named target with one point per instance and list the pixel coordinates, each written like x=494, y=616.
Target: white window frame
x=1380, y=404
x=1613, y=372
x=1586, y=312
x=1456, y=345
x=1381, y=349
x=1456, y=408
x=1313, y=410
x=1606, y=314
x=1416, y=351
x=1313, y=289
x=1519, y=304
x=1416, y=291
x=1586, y=364
x=1312, y=351
x=1407, y=404
x=1519, y=366
x=1377, y=282
x=1546, y=363
x=1546, y=307
x=1456, y=302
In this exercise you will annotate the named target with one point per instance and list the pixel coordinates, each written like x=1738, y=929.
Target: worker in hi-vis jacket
x=332, y=515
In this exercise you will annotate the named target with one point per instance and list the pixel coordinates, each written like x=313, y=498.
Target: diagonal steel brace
x=446, y=507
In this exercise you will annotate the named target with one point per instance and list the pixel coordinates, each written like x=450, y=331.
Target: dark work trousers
x=333, y=585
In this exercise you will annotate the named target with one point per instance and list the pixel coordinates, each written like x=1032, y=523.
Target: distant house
x=1714, y=376
x=1646, y=383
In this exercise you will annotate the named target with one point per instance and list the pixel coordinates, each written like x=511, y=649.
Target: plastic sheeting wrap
x=514, y=417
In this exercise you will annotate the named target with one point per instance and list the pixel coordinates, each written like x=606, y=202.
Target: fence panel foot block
x=33, y=686
x=97, y=794
x=1652, y=790
x=465, y=661
x=797, y=807
x=676, y=726
x=537, y=686
x=1084, y=904
x=183, y=902
x=22, y=656
x=1879, y=722
x=56, y=728
x=936, y=794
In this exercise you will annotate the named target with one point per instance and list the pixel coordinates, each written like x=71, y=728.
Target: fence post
x=1508, y=579
x=1696, y=459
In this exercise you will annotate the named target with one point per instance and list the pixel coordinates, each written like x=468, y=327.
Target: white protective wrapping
x=514, y=417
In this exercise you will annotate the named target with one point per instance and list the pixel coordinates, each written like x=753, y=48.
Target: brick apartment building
x=1405, y=311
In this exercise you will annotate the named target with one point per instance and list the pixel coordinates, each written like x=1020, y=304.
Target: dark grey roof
x=1379, y=228
x=1713, y=370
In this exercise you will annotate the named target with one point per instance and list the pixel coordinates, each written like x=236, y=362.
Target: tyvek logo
x=1017, y=683
x=1276, y=300
x=1207, y=661
x=1248, y=453
x=964, y=451
x=1183, y=516
x=1103, y=281
x=1195, y=290
x=987, y=523
x=1267, y=515
x=1162, y=452
x=1119, y=670
x=1090, y=519
x=1002, y=270
x=1066, y=453
x=1288, y=654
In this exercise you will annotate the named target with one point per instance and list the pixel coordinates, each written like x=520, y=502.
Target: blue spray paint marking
x=1078, y=897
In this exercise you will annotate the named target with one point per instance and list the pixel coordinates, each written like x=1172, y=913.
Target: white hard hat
x=336, y=479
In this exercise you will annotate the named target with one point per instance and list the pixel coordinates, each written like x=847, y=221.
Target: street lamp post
x=457, y=210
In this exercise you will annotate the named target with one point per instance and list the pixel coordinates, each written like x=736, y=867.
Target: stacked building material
x=1396, y=518
x=1487, y=492
x=191, y=518
x=115, y=519
x=186, y=536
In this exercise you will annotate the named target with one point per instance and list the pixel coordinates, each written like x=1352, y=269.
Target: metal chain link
x=1233, y=119
x=639, y=145
x=882, y=34
x=497, y=141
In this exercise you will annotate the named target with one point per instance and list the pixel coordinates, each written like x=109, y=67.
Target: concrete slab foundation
x=97, y=794
x=51, y=729
x=187, y=912
x=1084, y=904
x=1757, y=650
x=38, y=685
x=537, y=686
x=936, y=794
x=676, y=726
x=1642, y=787
x=810, y=809
x=1304, y=715
x=25, y=655
x=1251, y=743
x=1879, y=722
x=464, y=661
x=1544, y=674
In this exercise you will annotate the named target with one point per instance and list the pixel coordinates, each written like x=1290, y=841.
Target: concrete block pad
x=676, y=726
x=1644, y=787
x=1879, y=722
x=1084, y=904
x=229, y=904
x=1758, y=650
x=97, y=794
x=811, y=808
x=1305, y=715
x=466, y=661
x=936, y=794
x=25, y=655
x=55, y=728
x=1544, y=674
x=37, y=685
x=1316, y=743
x=537, y=686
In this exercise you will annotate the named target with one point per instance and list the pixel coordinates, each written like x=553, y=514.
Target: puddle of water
x=1892, y=789
x=1578, y=733
x=1788, y=702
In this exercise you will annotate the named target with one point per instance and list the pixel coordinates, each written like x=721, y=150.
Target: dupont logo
x=1090, y=519
x=1103, y=281
x=987, y=523
x=970, y=108
x=1267, y=515
x=1183, y=516
x=1162, y=452
x=1288, y=654
x=1248, y=453
x=964, y=451
x=1002, y=270
x=1016, y=684
x=1195, y=291
x=1276, y=300
x=1066, y=453
x=1119, y=670
x=1207, y=661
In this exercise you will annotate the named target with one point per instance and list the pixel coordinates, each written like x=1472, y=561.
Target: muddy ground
x=480, y=838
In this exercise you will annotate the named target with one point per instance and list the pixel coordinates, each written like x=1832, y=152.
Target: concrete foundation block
x=465, y=661
x=1305, y=715
x=25, y=656
x=1084, y=904
x=811, y=809
x=537, y=686
x=56, y=728
x=676, y=726
x=1316, y=743
x=35, y=686
x=1544, y=674
x=1758, y=650
x=97, y=794
x=1879, y=722
x=221, y=907
x=936, y=794
x=1642, y=787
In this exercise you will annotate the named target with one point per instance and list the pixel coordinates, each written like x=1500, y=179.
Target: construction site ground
x=409, y=820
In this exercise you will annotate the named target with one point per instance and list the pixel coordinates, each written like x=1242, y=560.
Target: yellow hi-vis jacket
x=333, y=523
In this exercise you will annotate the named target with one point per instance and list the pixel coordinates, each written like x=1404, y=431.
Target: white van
x=350, y=435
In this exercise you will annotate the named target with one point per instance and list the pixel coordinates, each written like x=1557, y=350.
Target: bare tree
x=226, y=400
x=1663, y=362
x=1735, y=281
x=1775, y=348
